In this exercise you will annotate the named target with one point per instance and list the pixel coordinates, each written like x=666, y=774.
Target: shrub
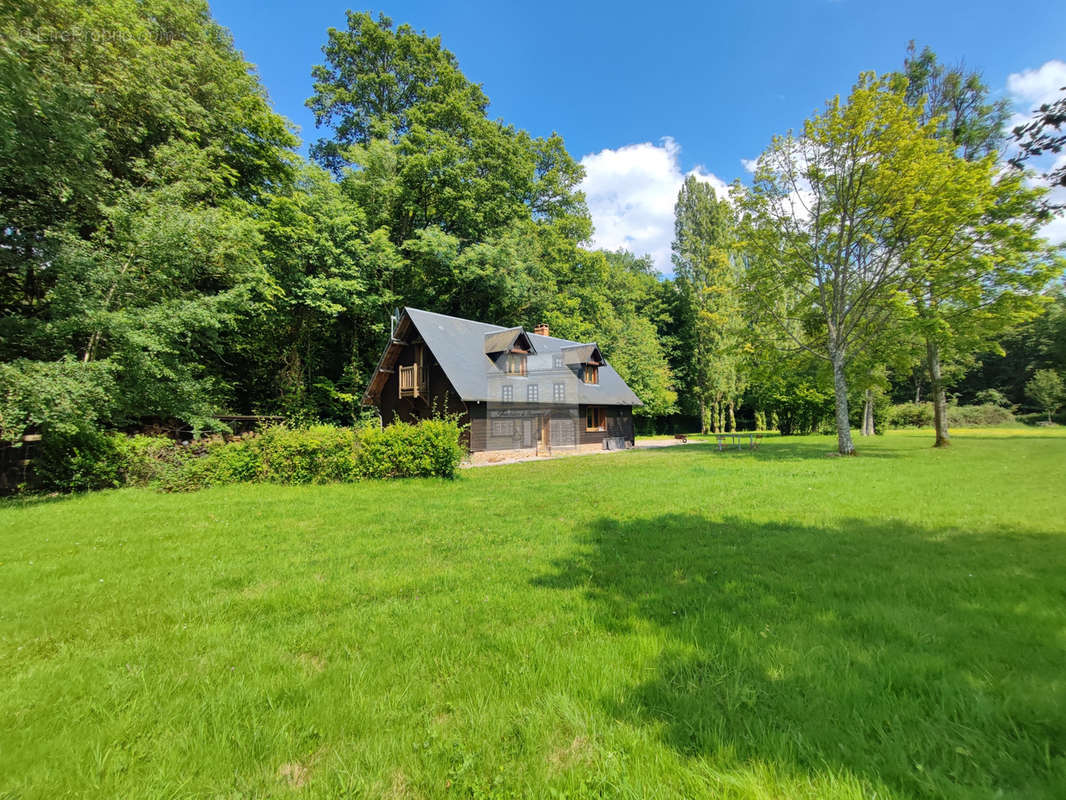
x=978, y=416
x=430, y=448
x=88, y=460
x=326, y=454
x=212, y=462
x=1041, y=419
x=318, y=454
x=911, y=415
x=65, y=397
x=920, y=415
x=992, y=397
x=79, y=461
x=149, y=459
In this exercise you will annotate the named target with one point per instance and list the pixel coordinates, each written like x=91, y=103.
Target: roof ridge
x=460, y=319
x=499, y=328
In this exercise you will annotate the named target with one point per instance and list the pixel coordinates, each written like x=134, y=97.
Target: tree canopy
x=167, y=255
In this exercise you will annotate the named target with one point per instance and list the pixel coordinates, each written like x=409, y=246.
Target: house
x=520, y=392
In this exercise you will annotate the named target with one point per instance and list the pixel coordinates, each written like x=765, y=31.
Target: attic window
x=591, y=373
x=516, y=364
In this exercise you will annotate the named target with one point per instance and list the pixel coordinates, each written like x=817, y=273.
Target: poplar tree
x=706, y=279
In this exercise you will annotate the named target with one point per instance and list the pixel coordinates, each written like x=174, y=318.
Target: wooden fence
x=16, y=462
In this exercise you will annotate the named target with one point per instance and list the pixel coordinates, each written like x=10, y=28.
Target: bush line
x=317, y=454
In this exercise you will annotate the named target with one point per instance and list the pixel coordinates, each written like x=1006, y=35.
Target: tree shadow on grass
x=14, y=501
x=793, y=447
x=925, y=663
x=963, y=436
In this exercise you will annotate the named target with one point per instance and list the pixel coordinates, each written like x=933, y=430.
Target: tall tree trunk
x=840, y=388
x=94, y=339
x=940, y=405
x=703, y=414
x=868, y=414
x=732, y=417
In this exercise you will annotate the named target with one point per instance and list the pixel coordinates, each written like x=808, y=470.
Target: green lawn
x=665, y=623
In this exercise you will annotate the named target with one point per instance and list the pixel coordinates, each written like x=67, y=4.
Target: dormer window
x=585, y=361
x=516, y=363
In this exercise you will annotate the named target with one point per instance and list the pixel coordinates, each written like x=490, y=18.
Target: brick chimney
x=542, y=329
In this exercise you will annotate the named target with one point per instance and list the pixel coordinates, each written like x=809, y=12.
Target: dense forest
x=167, y=254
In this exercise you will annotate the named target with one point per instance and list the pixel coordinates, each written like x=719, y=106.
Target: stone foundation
x=495, y=456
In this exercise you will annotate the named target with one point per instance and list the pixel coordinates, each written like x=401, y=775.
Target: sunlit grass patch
x=676, y=622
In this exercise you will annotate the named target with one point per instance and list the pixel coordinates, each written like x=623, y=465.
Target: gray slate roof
x=581, y=353
x=498, y=342
x=459, y=347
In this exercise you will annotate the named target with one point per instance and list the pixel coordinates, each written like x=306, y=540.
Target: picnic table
x=738, y=440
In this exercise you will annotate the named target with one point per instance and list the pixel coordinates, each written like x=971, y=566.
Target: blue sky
x=645, y=92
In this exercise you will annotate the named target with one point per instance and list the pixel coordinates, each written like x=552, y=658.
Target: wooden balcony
x=409, y=384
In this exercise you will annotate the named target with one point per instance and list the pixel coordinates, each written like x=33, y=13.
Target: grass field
x=665, y=623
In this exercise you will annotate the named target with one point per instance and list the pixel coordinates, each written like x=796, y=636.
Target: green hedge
x=318, y=454
x=80, y=461
x=920, y=415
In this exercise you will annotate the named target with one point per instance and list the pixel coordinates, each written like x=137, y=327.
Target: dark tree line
x=165, y=253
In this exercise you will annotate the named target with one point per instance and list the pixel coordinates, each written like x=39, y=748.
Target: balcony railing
x=409, y=384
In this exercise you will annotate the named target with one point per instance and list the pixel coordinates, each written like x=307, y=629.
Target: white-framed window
x=533, y=393
x=559, y=393
x=507, y=393
x=557, y=361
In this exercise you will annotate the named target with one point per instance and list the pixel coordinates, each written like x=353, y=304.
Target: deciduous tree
x=977, y=262
x=824, y=220
x=706, y=278
x=1047, y=390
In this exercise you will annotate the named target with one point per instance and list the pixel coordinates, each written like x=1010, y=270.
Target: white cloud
x=749, y=164
x=1036, y=86
x=631, y=192
x=1028, y=90
x=1055, y=231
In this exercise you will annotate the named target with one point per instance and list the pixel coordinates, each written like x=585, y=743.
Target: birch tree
x=824, y=223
